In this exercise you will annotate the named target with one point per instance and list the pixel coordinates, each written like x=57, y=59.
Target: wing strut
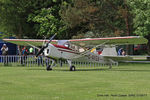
x=84, y=53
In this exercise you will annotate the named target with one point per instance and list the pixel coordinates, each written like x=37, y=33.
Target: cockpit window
x=66, y=45
x=77, y=48
x=81, y=50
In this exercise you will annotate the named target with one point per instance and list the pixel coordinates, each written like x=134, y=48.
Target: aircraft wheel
x=48, y=68
x=72, y=68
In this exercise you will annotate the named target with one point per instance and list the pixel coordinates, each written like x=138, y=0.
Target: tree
x=15, y=17
x=141, y=20
x=47, y=21
x=103, y=18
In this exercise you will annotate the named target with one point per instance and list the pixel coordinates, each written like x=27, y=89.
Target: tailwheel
x=72, y=68
x=48, y=68
x=110, y=66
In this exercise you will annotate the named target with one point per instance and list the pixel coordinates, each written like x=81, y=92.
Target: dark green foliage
x=74, y=18
x=23, y=17
x=141, y=19
x=102, y=18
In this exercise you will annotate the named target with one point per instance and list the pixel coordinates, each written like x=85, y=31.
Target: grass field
x=126, y=82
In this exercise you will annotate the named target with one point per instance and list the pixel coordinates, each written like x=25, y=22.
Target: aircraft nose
x=48, y=50
x=46, y=45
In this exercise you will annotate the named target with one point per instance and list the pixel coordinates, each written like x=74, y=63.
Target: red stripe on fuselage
x=66, y=49
x=61, y=46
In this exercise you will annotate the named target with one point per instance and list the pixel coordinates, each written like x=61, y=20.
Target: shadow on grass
x=36, y=69
x=83, y=70
x=94, y=69
x=87, y=69
x=106, y=69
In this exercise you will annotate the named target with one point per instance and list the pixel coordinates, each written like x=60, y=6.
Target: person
x=31, y=51
x=4, y=50
x=24, y=57
x=120, y=51
x=39, y=60
x=123, y=52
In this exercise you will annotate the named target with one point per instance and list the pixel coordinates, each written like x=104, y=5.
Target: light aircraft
x=80, y=49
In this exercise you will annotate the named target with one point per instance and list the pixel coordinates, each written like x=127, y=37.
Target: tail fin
x=109, y=51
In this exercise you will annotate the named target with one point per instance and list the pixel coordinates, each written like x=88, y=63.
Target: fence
x=16, y=60
x=41, y=61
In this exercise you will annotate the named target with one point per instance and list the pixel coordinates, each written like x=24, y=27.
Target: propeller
x=45, y=46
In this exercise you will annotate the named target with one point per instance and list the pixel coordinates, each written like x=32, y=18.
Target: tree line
x=75, y=18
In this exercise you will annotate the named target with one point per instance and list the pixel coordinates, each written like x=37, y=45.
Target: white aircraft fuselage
x=60, y=51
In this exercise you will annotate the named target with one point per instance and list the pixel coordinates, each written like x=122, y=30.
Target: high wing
x=27, y=42
x=110, y=41
x=85, y=42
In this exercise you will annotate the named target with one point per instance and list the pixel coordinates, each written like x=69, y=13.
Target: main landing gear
x=72, y=68
x=49, y=67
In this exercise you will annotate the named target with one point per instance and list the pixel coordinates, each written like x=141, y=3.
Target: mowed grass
x=126, y=82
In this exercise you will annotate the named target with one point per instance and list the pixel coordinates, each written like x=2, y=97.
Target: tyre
x=72, y=68
x=48, y=68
